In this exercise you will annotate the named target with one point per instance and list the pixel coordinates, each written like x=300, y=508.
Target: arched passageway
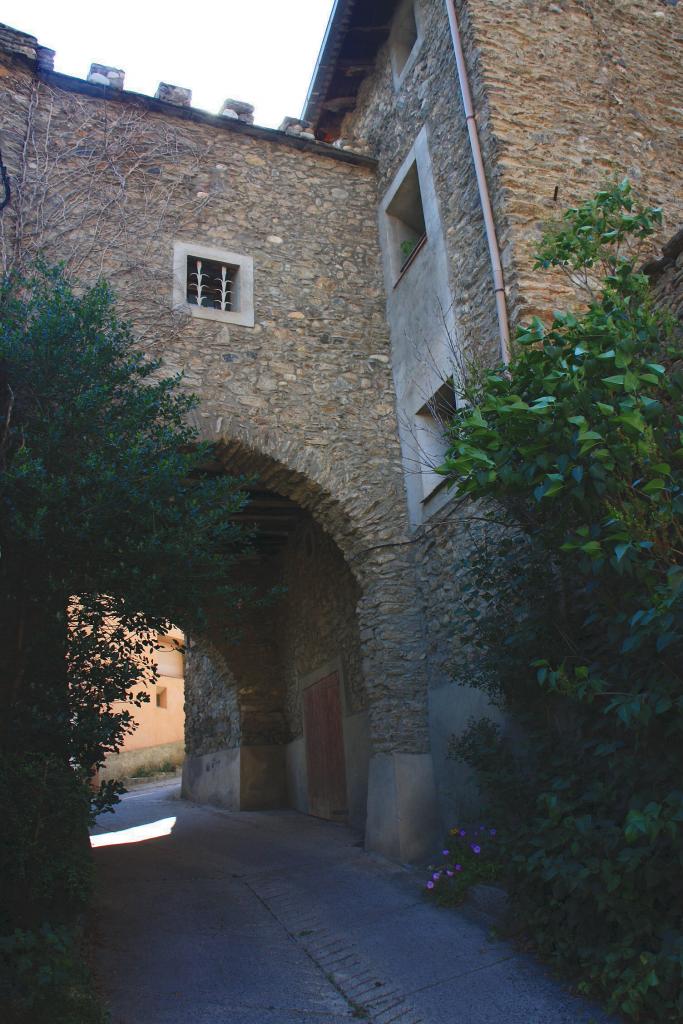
x=320, y=704
x=255, y=709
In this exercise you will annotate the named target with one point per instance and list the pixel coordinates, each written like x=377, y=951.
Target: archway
x=338, y=652
x=248, y=742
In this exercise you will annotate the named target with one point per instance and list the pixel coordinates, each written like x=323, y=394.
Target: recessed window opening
x=212, y=284
x=162, y=697
x=406, y=221
x=431, y=426
x=404, y=37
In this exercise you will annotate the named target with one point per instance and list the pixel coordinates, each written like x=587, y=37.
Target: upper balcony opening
x=404, y=36
x=406, y=222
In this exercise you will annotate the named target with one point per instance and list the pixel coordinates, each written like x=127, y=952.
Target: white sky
x=260, y=51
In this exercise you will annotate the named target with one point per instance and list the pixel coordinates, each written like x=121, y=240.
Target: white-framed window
x=213, y=284
x=406, y=229
x=404, y=41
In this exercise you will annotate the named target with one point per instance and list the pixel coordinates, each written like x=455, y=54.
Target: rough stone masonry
x=317, y=394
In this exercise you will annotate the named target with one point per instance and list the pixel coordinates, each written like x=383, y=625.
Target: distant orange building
x=158, y=740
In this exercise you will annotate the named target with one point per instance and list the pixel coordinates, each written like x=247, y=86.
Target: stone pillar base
x=239, y=779
x=403, y=820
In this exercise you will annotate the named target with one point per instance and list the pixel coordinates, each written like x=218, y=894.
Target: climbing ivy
x=575, y=453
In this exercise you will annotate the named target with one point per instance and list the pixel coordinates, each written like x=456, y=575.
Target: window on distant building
x=404, y=41
x=213, y=284
x=431, y=424
x=406, y=222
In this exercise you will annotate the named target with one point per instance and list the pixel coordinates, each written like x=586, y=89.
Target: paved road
x=275, y=918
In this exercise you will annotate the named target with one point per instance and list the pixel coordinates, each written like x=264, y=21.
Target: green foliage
x=408, y=247
x=148, y=771
x=44, y=978
x=46, y=872
x=45, y=859
x=576, y=454
x=111, y=530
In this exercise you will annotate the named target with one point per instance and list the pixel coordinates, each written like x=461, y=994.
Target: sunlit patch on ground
x=137, y=834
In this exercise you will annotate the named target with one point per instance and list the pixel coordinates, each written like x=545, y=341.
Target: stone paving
x=276, y=918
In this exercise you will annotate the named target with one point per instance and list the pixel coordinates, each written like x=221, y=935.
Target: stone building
x=158, y=742
x=318, y=285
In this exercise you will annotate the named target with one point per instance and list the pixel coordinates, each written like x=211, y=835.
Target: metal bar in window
x=225, y=289
x=198, y=283
x=408, y=262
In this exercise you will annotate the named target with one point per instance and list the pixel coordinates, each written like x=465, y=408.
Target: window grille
x=211, y=284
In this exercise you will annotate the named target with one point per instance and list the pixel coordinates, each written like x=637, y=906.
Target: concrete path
x=275, y=918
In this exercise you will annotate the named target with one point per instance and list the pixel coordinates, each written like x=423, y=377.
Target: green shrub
x=46, y=872
x=45, y=861
x=111, y=530
x=575, y=453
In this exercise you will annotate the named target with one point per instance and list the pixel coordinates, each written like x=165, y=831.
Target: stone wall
x=575, y=92
x=388, y=121
x=566, y=94
x=108, y=184
x=305, y=218
x=316, y=620
x=107, y=181
x=212, y=718
x=666, y=276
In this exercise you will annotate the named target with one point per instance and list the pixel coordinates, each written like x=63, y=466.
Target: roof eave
x=329, y=51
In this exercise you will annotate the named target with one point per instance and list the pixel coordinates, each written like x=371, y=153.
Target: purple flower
x=445, y=852
x=430, y=885
x=462, y=832
x=458, y=868
x=436, y=876
x=481, y=828
x=449, y=873
x=475, y=848
x=492, y=831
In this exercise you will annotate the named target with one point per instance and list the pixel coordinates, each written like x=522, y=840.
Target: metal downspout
x=494, y=251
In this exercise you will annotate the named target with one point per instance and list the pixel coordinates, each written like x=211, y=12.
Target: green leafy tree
x=575, y=452
x=110, y=531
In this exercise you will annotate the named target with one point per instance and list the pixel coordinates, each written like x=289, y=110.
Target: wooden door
x=325, y=749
